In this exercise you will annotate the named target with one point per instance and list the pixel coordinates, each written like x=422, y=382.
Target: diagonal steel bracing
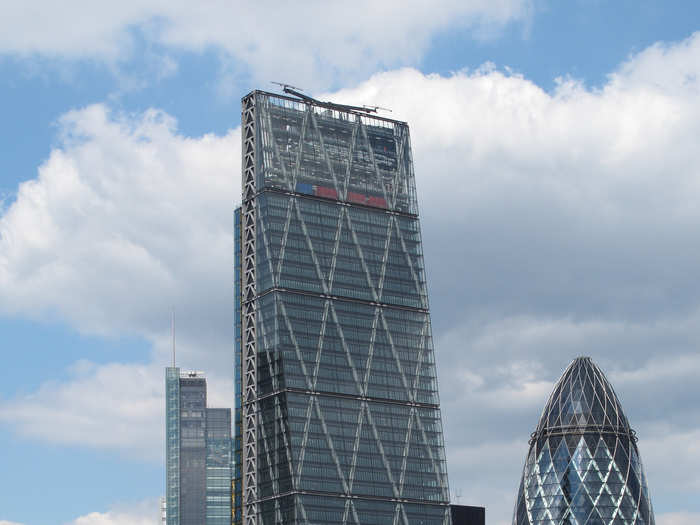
x=249, y=339
x=294, y=238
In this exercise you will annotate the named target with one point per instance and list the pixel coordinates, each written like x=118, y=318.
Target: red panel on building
x=329, y=193
x=377, y=202
x=357, y=197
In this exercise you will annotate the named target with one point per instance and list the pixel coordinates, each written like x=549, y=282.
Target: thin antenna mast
x=172, y=332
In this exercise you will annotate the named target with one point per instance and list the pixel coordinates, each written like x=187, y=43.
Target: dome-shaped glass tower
x=583, y=467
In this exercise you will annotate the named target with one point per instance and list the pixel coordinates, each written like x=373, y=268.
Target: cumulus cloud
x=678, y=518
x=310, y=41
x=109, y=518
x=141, y=513
x=125, y=216
x=126, y=220
x=566, y=227
x=117, y=407
x=555, y=224
x=114, y=406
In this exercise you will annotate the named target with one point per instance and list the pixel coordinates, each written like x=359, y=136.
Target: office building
x=583, y=466
x=336, y=385
x=468, y=515
x=218, y=475
x=198, y=453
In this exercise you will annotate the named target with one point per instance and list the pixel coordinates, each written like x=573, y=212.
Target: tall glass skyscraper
x=218, y=474
x=198, y=453
x=583, y=466
x=338, y=416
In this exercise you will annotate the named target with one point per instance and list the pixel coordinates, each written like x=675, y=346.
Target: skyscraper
x=198, y=453
x=218, y=475
x=337, y=409
x=583, y=466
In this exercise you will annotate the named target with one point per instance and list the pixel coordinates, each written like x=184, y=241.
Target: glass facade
x=172, y=445
x=193, y=450
x=218, y=466
x=340, y=418
x=583, y=466
x=198, y=453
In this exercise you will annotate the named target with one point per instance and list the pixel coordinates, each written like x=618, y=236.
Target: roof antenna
x=295, y=91
x=172, y=332
x=285, y=86
x=376, y=108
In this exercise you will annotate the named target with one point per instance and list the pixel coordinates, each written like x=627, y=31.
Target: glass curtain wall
x=349, y=427
x=172, y=445
x=218, y=466
x=193, y=450
x=583, y=466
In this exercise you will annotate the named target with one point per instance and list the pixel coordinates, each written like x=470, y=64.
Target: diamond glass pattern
x=345, y=390
x=583, y=466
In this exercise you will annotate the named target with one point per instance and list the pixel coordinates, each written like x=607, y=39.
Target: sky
x=558, y=173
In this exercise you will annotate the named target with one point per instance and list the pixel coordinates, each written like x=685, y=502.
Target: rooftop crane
x=296, y=92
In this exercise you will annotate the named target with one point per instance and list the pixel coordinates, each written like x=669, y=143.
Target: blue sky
x=577, y=233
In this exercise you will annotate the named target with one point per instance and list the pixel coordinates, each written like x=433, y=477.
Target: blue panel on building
x=307, y=189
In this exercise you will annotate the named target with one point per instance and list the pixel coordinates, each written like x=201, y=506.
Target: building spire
x=172, y=332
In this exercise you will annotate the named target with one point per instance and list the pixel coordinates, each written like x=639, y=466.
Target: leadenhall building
x=337, y=410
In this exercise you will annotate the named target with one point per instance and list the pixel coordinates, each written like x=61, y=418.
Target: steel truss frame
x=252, y=118
x=249, y=309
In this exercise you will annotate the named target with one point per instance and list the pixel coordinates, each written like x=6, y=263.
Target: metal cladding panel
x=583, y=465
x=348, y=426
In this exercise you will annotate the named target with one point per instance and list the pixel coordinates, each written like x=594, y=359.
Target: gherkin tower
x=338, y=417
x=583, y=466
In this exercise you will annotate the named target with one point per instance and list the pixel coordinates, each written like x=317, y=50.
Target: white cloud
x=565, y=227
x=125, y=217
x=666, y=476
x=136, y=513
x=117, y=407
x=113, y=406
x=125, y=221
x=141, y=513
x=678, y=518
x=109, y=518
x=302, y=42
x=555, y=224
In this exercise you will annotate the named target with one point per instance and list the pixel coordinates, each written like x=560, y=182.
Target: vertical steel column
x=248, y=314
